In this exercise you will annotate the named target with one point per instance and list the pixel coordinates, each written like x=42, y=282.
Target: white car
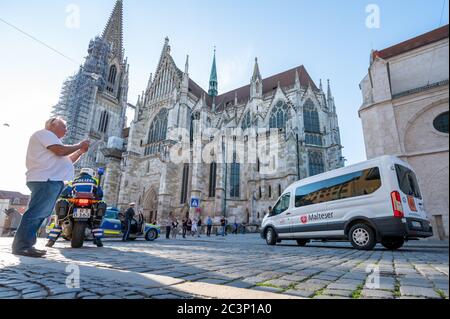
x=377, y=201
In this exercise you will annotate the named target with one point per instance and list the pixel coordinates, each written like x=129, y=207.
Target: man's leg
x=127, y=230
x=97, y=233
x=43, y=199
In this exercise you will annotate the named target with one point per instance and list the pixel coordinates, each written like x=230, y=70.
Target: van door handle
x=288, y=214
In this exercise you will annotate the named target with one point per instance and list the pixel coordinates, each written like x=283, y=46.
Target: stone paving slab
x=149, y=270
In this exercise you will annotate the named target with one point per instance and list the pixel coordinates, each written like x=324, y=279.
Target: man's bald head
x=56, y=125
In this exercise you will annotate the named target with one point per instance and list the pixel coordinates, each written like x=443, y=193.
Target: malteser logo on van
x=315, y=217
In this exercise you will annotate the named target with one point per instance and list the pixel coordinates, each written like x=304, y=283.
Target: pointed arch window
x=194, y=117
x=279, y=116
x=103, y=123
x=311, y=117
x=157, y=133
x=112, y=74
x=316, y=163
x=235, y=177
x=212, y=179
x=184, y=184
x=246, y=122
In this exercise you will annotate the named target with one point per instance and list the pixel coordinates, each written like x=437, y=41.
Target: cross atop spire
x=113, y=32
x=213, y=84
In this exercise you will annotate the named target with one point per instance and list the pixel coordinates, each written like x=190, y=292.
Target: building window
x=270, y=191
x=103, y=124
x=279, y=116
x=316, y=165
x=440, y=123
x=235, y=177
x=212, y=179
x=157, y=133
x=313, y=139
x=279, y=190
x=311, y=117
x=258, y=165
x=184, y=184
x=246, y=122
x=260, y=192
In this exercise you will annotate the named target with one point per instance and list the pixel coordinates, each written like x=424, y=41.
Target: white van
x=377, y=201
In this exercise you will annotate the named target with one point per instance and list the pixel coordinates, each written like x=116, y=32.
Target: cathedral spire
x=256, y=73
x=329, y=95
x=113, y=32
x=256, y=82
x=213, y=84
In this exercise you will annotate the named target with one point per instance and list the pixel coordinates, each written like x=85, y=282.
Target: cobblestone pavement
x=319, y=270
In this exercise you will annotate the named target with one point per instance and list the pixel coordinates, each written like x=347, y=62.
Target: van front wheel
x=362, y=237
x=271, y=237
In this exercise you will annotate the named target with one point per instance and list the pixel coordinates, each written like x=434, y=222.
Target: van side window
x=282, y=205
x=346, y=186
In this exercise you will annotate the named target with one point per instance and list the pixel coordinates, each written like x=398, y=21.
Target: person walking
x=49, y=164
x=129, y=214
x=209, y=224
x=174, y=228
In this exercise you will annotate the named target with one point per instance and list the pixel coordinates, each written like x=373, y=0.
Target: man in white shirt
x=49, y=164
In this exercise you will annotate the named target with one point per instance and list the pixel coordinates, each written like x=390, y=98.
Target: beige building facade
x=405, y=113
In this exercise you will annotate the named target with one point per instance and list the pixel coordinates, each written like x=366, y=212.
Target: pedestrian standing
x=49, y=164
x=235, y=229
x=169, y=225
x=184, y=223
x=189, y=226
x=199, y=226
x=194, y=227
x=129, y=215
x=174, y=228
x=226, y=226
x=209, y=224
x=222, y=226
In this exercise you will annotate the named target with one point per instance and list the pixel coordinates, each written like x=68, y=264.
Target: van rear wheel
x=362, y=237
x=271, y=237
x=393, y=243
x=302, y=242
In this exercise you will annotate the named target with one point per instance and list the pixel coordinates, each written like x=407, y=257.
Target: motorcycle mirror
x=101, y=171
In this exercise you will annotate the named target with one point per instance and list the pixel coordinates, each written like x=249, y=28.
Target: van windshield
x=407, y=181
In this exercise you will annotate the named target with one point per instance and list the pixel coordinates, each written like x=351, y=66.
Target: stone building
x=176, y=118
x=94, y=101
x=405, y=113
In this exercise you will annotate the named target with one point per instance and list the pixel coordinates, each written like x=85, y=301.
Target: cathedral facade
x=233, y=154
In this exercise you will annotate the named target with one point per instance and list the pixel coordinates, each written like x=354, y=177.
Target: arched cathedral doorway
x=151, y=205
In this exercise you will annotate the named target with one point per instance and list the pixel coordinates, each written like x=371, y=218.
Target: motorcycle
x=80, y=215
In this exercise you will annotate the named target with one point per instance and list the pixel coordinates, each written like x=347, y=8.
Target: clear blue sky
x=329, y=37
